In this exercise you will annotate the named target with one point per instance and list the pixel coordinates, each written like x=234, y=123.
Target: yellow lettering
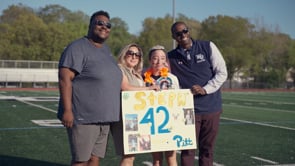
x=161, y=98
x=164, y=98
x=171, y=98
x=142, y=103
x=152, y=99
x=181, y=99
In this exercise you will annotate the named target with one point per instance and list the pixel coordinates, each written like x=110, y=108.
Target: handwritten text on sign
x=158, y=121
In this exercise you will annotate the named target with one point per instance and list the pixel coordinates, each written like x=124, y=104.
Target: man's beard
x=98, y=39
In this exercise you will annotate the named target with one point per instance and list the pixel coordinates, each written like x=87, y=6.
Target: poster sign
x=158, y=121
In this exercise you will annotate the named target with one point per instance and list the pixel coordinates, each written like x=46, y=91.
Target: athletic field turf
x=257, y=128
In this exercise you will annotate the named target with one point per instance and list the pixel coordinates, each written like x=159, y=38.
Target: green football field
x=257, y=128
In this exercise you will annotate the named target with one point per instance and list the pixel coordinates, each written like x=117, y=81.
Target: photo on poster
x=131, y=122
x=145, y=142
x=189, y=116
x=132, y=142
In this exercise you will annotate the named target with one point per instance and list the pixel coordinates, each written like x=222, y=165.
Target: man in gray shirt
x=90, y=86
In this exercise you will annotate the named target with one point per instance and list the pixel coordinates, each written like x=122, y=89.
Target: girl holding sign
x=158, y=74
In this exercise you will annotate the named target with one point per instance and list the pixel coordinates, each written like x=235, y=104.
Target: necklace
x=147, y=75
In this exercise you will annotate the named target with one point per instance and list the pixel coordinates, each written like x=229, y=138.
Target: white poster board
x=158, y=121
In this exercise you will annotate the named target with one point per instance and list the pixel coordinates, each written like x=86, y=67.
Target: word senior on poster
x=158, y=121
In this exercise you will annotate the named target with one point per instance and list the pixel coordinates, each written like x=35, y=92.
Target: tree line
x=255, y=53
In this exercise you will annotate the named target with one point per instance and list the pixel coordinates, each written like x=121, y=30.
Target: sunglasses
x=180, y=33
x=103, y=23
x=137, y=54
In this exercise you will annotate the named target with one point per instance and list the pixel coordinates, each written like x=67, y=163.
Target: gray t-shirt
x=97, y=86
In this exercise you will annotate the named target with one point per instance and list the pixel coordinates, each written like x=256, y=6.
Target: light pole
x=173, y=15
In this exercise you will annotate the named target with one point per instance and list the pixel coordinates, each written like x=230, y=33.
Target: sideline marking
x=48, y=122
x=27, y=128
x=264, y=160
x=258, y=123
x=147, y=163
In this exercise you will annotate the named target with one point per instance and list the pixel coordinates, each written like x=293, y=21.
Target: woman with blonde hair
x=130, y=61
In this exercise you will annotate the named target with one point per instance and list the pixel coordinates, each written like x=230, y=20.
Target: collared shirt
x=219, y=68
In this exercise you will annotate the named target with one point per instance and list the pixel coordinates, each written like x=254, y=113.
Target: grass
x=257, y=128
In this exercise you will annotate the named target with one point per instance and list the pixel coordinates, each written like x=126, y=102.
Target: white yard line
x=258, y=123
x=26, y=99
x=264, y=160
x=35, y=105
x=273, y=163
x=48, y=122
x=260, y=108
x=147, y=163
x=260, y=101
x=281, y=165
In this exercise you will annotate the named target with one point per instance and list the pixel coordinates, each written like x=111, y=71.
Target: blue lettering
x=178, y=139
x=180, y=142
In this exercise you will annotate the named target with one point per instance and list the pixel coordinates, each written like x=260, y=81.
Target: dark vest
x=199, y=71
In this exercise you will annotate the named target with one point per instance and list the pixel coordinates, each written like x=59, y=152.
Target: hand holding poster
x=158, y=121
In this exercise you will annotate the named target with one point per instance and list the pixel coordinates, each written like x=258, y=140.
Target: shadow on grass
x=16, y=161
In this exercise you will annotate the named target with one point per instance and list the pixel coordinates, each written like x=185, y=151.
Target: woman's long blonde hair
x=122, y=55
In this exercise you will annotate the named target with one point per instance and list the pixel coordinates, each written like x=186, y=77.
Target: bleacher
x=20, y=73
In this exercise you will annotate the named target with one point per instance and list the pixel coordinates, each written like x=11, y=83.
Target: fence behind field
x=20, y=73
